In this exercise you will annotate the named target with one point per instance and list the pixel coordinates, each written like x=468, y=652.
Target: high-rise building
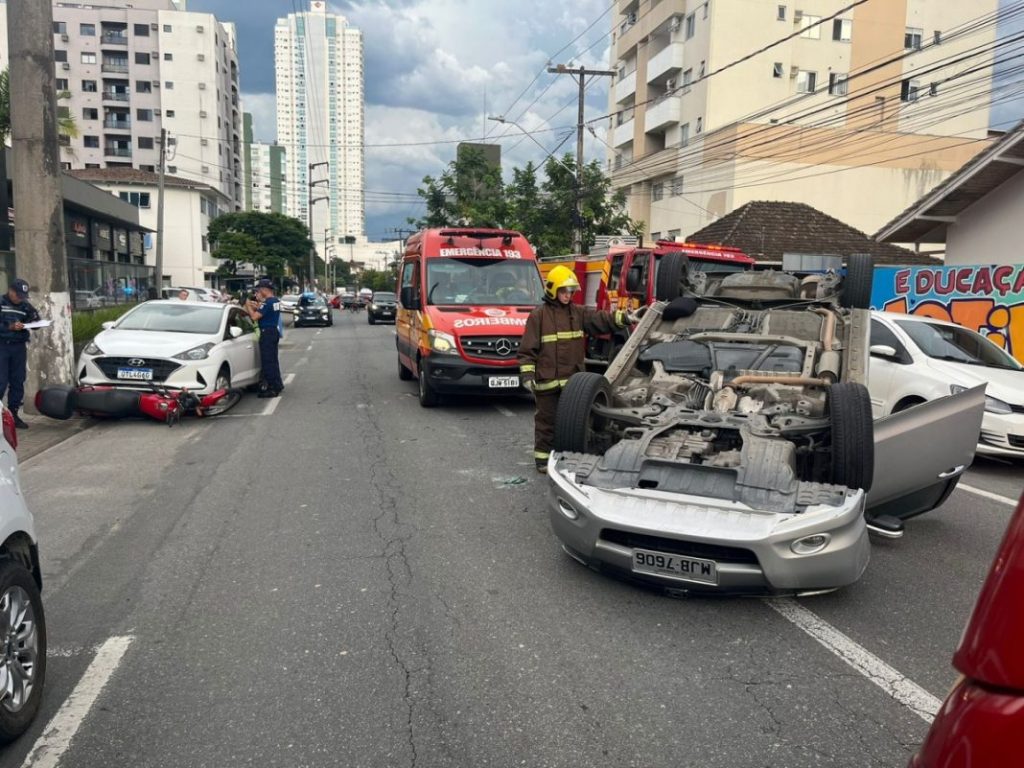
x=264, y=172
x=319, y=66
x=856, y=112
x=127, y=69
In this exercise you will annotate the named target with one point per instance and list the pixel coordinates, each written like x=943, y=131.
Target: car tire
x=369, y=319
x=428, y=395
x=56, y=401
x=575, y=424
x=404, y=373
x=223, y=380
x=671, y=272
x=16, y=583
x=856, y=289
x=853, y=444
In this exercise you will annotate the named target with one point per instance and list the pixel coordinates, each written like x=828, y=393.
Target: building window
x=937, y=38
x=673, y=234
x=657, y=191
x=169, y=85
x=87, y=30
x=90, y=113
x=138, y=199
x=780, y=12
x=910, y=90
x=691, y=26
x=89, y=86
x=91, y=142
x=933, y=89
x=655, y=236
x=700, y=124
x=60, y=55
x=912, y=39
x=88, y=58
x=684, y=134
x=145, y=142
x=703, y=70
x=169, y=113
x=141, y=58
x=172, y=169
x=168, y=57
x=842, y=30
x=837, y=85
x=806, y=81
x=778, y=69
x=168, y=28
x=145, y=115
x=676, y=187
x=61, y=84
x=143, y=86
x=687, y=77
x=141, y=30
x=705, y=10
x=92, y=165
x=810, y=27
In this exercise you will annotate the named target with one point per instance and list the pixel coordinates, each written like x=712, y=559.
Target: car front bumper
x=451, y=374
x=197, y=376
x=317, y=319
x=751, y=549
x=382, y=314
x=1002, y=435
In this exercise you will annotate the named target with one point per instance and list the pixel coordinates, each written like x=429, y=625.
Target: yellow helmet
x=560, y=277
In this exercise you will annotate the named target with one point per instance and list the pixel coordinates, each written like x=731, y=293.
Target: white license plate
x=665, y=564
x=502, y=382
x=135, y=374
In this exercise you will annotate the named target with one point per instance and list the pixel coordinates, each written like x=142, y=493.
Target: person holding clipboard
x=16, y=316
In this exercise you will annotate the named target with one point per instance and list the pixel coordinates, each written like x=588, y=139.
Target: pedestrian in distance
x=553, y=348
x=15, y=312
x=183, y=294
x=267, y=314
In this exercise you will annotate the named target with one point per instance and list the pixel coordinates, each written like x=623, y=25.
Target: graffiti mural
x=987, y=298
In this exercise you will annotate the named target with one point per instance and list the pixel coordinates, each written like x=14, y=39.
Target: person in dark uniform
x=267, y=315
x=15, y=311
x=553, y=348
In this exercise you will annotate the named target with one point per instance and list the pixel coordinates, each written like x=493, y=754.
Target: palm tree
x=66, y=125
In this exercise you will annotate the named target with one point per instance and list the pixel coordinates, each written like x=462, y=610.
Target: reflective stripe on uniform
x=620, y=317
x=556, y=384
x=541, y=454
x=561, y=336
x=527, y=368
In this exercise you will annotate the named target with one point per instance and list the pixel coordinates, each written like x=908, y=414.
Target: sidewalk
x=45, y=433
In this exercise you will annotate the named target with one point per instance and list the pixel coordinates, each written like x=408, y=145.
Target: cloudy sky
x=429, y=66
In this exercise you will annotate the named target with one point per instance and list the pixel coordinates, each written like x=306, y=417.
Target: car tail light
x=10, y=433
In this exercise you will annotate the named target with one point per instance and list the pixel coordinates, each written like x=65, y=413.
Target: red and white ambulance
x=464, y=296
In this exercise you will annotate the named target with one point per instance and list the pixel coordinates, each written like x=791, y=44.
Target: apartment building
x=718, y=103
x=264, y=172
x=132, y=68
x=319, y=79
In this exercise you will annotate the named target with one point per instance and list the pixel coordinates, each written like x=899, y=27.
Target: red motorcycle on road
x=61, y=401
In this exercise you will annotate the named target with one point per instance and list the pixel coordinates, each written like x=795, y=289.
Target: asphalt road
x=352, y=580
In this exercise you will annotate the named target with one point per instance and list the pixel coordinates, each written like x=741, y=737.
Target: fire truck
x=617, y=274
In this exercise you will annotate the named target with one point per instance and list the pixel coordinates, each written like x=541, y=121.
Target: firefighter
x=553, y=348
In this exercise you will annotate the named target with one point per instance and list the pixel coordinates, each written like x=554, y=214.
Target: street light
x=505, y=121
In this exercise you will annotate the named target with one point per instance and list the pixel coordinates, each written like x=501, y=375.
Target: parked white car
x=915, y=359
x=190, y=345
x=22, y=623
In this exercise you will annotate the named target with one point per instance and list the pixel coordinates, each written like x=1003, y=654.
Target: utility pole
x=311, y=201
x=580, y=76
x=327, y=277
x=40, y=255
x=160, y=216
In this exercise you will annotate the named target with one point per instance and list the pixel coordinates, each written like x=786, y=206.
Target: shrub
x=86, y=323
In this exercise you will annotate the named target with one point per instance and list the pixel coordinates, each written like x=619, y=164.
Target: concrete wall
x=989, y=232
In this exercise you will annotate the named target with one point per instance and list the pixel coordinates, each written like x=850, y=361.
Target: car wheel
x=369, y=319
x=671, y=273
x=223, y=380
x=404, y=373
x=853, y=444
x=428, y=395
x=23, y=664
x=577, y=429
x=856, y=289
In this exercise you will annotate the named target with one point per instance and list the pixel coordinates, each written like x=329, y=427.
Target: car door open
x=921, y=452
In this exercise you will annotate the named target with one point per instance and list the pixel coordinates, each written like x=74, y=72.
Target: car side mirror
x=109, y=324
x=410, y=300
x=633, y=280
x=235, y=331
x=883, y=350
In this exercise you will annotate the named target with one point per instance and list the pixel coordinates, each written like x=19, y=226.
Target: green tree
x=377, y=280
x=278, y=241
x=66, y=125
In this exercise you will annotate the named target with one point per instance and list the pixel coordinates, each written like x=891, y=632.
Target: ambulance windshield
x=483, y=282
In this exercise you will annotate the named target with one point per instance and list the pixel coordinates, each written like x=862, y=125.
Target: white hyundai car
x=22, y=623
x=202, y=347
x=916, y=359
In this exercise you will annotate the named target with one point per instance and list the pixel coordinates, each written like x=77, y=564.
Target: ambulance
x=464, y=294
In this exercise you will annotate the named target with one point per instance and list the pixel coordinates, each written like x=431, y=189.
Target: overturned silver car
x=729, y=447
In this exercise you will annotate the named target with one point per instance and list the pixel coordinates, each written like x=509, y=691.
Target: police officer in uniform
x=15, y=311
x=553, y=348
x=267, y=314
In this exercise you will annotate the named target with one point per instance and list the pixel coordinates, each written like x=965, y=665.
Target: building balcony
x=116, y=96
x=626, y=87
x=663, y=114
x=109, y=38
x=118, y=125
x=665, y=64
x=117, y=151
x=623, y=134
x=115, y=66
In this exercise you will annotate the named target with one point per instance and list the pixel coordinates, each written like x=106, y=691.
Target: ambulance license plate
x=502, y=382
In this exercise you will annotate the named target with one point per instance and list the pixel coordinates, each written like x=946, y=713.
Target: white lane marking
x=271, y=406
x=302, y=361
x=898, y=686
x=309, y=348
x=504, y=411
x=57, y=735
x=987, y=494
x=319, y=332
